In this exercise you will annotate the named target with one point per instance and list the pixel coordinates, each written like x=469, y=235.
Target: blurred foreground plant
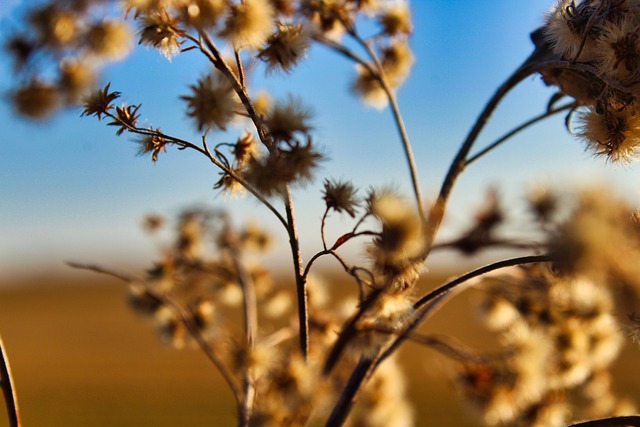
x=557, y=311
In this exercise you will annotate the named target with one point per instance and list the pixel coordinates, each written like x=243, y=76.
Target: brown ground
x=80, y=357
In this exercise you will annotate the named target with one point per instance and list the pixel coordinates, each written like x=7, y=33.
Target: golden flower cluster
x=58, y=54
x=560, y=336
x=600, y=41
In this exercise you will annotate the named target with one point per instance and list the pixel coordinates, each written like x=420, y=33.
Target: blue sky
x=71, y=190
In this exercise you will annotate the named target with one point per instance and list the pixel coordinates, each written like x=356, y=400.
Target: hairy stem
x=298, y=269
x=250, y=314
x=397, y=117
x=518, y=129
x=427, y=304
x=349, y=393
x=366, y=367
x=459, y=163
x=8, y=390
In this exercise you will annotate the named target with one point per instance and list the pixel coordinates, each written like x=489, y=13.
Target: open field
x=80, y=357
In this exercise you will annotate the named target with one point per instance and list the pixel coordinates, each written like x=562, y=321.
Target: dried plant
x=299, y=354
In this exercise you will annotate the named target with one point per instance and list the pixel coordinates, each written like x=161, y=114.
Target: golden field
x=80, y=357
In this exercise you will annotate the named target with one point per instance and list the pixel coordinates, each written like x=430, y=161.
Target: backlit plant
x=299, y=356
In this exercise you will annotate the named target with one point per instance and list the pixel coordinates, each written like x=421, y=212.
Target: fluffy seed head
x=109, y=39
x=213, y=102
x=285, y=48
x=614, y=134
x=248, y=23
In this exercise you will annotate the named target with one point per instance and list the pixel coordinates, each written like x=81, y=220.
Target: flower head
x=151, y=143
x=35, y=100
x=614, y=134
x=160, y=30
x=109, y=39
x=213, y=102
x=340, y=196
x=287, y=118
x=285, y=48
x=248, y=23
x=99, y=102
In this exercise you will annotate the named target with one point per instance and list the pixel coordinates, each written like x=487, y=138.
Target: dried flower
x=109, y=39
x=75, y=78
x=160, y=30
x=285, y=48
x=213, y=103
x=368, y=87
x=202, y=13
x=246, y=147
x=397, y=60
x=287, y=118
x=99, y=102
x=36, y=100
x=126, y=117
x=340, y=196
x=614, y=134
x=55, y=26
x=151, y=143
x=248, y=23
x=396, y=19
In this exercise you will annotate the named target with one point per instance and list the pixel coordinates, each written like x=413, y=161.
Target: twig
x=298, y=269
x=8, y=390
x=397, y=117
x=349, y=393
x=250, y=314
x=185, y=317
x=459, y=163
x=348, y=331
x=366, y=367
x=378, y=73
x=520, y=128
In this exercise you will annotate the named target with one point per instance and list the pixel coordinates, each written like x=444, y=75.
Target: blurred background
x=70, y=190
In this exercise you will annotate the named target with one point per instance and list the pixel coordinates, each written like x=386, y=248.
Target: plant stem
x=250, y=314
x=459, y=163
x=8, y=390
x=397, y=117
x=298, y=269
x=349, y=393
x=514, y=131
x=366, y=367
x=378, y=72
x=428, y=302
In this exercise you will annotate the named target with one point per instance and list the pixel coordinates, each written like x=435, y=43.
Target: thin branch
x=236, y=52
x=205, y=151
x=366, y=367
x=378, y=73
x=459, y=163
x=322, y=225
x=185, y=317
x=397, y=116
x=349, y=393
x=250, y=315
x=301, y=280
x=208, y=48
x=428, y=303
x=518, y=129
x=442, y=344
x=8, y=390
x=622, y=421
x=348, y=331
